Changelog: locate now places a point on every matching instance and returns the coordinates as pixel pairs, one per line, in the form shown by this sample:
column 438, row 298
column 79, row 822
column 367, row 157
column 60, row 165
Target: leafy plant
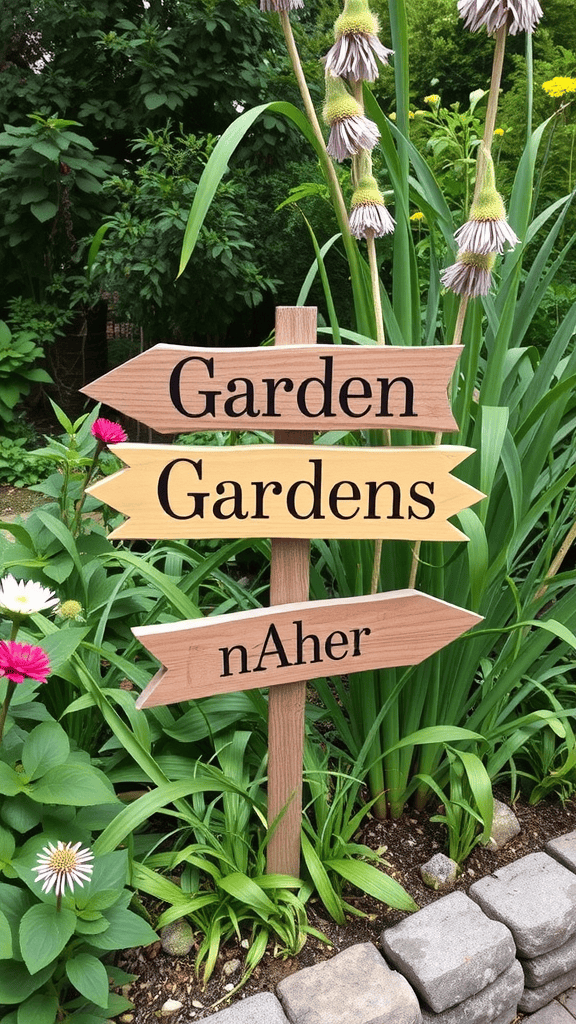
column 18, row 354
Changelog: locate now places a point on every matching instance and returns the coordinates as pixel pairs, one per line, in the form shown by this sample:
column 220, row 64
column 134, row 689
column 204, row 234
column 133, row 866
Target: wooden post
column 289, row 581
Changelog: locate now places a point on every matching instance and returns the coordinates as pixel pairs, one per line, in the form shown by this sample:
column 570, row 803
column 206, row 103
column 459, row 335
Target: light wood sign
column 267, row 647
column 290, row 491
column 174, row 491
column 321, row 387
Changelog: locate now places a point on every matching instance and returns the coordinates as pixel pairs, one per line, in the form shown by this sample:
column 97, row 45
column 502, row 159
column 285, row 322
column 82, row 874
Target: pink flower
column 108, row 432
column 23, row 661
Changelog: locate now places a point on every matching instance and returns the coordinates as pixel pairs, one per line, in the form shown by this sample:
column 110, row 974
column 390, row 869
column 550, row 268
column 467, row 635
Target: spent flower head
column 108, row 432
column 368, row 213
column 350, row 131
column 357, row 48
column 559, row 86
column 471, row 275
column 23, row 661
column 24, row 597
column 487, row 229
column 63, row 864
column 516, row 15
column 280, row 5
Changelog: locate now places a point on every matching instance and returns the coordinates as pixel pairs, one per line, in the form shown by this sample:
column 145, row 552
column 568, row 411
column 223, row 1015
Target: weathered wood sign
column 321, row 387
column 267, row 647
column 286, row 491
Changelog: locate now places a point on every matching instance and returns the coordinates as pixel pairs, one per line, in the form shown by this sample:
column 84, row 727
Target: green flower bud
column 356, row 19
column 367, row 191
column 339, row 103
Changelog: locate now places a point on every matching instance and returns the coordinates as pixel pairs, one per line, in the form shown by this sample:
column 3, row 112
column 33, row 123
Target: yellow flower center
column 63, row 860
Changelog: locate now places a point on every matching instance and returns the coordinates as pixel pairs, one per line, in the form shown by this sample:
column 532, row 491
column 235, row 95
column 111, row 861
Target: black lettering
column 335, row 497
column 421, row 499
column 163, row 496
column 271, row 389
column 331, row 643
column 385, row 394
column 277, row 650
column 226, row 652
column 316, row 488
column 326, row 388
column 301, row 640
column 346, row 397
column 176, row 392
column 246, row 397
column 373, row 489
column 237, row 511
column 357, row 634
column 261, row 489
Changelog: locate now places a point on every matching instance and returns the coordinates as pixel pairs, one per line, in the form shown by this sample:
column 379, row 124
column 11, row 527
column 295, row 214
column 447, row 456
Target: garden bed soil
column 408, row 842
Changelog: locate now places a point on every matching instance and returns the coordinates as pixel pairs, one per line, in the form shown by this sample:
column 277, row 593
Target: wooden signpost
column 174, row 389
column 271, row 647
column 291, row 491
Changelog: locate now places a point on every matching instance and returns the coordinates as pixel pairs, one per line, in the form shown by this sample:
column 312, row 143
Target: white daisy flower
column 61, row 864
column 24, row 597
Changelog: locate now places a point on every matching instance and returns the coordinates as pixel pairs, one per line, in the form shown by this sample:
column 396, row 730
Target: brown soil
column 409, row 842
column 17, row 501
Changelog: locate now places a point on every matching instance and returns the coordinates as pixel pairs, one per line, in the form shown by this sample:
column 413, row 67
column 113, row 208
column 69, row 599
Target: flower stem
column 9, row 693
column 82, row 499
column 492, row 106
column 328, row 167
column 557, row 561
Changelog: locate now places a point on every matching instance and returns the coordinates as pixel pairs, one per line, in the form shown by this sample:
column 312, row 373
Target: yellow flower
column 418, row 215
column 433, row 99
column 559, row 86
column 498, row 131
column 392, row 116
column 410, row 115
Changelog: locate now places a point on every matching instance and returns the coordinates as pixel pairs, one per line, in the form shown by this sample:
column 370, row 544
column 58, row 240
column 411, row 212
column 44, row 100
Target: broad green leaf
column 46, row 746
column 6, row 948
column 44, row 210
column 44, row 932
column 374, row 882
column 16, row 982
column 10, row 781
column 126, row 930
column 74, row 785
column 89, row 977
column 38, row 1009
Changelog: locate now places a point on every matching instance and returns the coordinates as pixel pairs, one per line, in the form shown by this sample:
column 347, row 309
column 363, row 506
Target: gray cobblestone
column 496, row 1000
column 563, row 849
column 534, row 998
column 535, row 897
column 542, row 969
column 261, row 1009
column 354, row 986
column 449, row 951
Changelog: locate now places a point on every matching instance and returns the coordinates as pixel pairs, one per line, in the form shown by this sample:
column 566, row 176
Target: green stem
column 82, row 499
column 10, row 686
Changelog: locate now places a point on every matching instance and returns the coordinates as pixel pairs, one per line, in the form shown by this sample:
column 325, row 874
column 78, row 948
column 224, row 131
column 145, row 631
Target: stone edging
column 509, row 945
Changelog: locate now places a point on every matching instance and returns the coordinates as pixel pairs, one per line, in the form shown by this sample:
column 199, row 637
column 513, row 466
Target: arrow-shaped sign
column 174, row 389
column 285, row 491
column 268, row 646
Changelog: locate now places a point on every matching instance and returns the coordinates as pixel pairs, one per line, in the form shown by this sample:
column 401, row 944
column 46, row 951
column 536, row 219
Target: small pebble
column 199, row 1006
column 228, row 987
column 230, row 967
column 245, row 944
column 170, row 1006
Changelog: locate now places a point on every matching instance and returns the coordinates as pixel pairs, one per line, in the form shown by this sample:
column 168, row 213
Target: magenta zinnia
column 517, row 15
column 108, row 432
column 63, row 864
column 23, row 661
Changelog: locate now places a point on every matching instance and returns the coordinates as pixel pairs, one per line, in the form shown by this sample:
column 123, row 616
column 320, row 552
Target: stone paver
column 498, row 1000
column 261, row 1009
column 355, row 986
column 563, row 849
column 535, row 897
column 534, row 998
column 551, row 1014
column 449, row 951
column 542, row 969
column 568, row 999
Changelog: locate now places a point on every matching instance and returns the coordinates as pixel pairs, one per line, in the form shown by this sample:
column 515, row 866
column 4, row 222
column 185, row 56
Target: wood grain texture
column 175, row 389
column 289, row 581
column 298, row 491
column 271, row 646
